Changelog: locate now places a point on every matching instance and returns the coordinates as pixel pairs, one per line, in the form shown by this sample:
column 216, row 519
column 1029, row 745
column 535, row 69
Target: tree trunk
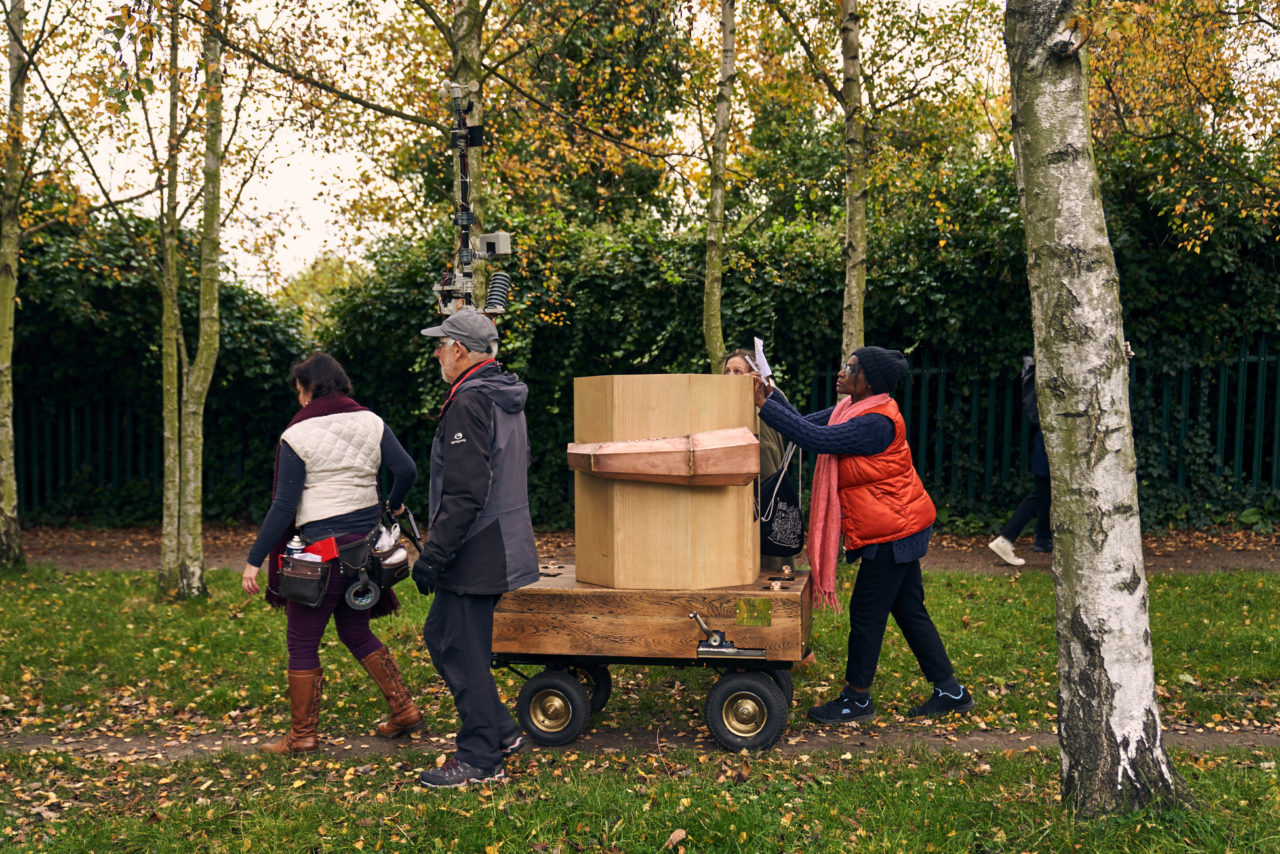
column 855, row 182
column 1108, row 720
column 170, row 575
column 11, row 555
column 712, row 329
column 195, row 388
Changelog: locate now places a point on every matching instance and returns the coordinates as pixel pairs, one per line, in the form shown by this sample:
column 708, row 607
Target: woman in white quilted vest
column 325, row 485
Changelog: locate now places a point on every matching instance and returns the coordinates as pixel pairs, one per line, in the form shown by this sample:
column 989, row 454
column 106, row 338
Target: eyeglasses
column 850, row 369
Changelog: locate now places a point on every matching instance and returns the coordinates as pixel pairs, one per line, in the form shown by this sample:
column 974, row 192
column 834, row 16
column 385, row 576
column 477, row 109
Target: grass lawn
column 93, row 654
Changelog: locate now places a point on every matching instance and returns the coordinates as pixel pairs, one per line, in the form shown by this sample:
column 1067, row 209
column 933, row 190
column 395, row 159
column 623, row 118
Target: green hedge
column 87, row 334
column 947, row 283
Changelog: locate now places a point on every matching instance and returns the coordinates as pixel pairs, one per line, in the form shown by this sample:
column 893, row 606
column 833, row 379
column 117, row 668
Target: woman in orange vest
column 866, row 492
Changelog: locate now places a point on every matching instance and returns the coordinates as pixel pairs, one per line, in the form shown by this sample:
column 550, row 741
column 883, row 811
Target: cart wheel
column 597, row 681
column 746, row 709
column 553, row 707
column 783, row 679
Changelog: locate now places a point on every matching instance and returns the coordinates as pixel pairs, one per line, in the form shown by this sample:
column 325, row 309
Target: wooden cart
column 752, row 634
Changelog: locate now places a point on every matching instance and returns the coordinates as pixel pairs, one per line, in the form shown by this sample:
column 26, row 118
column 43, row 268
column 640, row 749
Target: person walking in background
column 326, row 486
column 738, row 363
column 1036, row 504
column 865, row 488
column 479, row 541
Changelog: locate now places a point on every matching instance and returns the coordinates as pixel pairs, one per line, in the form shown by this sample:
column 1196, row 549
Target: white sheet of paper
column 762, row 364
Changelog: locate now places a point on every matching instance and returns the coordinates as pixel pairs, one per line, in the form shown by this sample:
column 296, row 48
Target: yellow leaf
column 297, row 783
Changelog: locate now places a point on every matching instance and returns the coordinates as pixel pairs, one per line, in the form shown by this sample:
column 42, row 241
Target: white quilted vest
column 342, row 453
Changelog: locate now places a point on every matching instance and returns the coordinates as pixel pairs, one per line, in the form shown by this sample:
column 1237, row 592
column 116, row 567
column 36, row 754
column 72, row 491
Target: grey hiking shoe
column 942, row 704
column 453, row 774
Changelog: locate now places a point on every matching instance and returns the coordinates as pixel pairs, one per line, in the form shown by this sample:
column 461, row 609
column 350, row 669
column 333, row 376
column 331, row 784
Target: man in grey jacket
column 479, row 540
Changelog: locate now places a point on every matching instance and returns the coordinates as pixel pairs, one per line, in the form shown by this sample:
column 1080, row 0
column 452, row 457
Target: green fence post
column 922, row 440
column 1260, row 405
column 989, row 457
column 939, row 461
column 1221, row 441
column 1241, row 386
column 1275, row 432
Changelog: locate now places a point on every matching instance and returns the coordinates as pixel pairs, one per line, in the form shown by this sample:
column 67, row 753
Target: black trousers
column 459, row 635
column 1036, row 505
column 884, row 587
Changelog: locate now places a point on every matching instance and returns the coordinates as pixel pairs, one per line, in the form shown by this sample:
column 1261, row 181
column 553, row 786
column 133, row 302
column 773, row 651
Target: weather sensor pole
column 457, row 287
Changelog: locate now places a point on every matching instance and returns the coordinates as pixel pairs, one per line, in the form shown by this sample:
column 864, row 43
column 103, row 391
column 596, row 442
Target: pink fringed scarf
column 824, row 508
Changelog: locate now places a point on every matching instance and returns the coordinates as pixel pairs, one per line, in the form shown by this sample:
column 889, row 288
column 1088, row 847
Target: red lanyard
column 454, row 389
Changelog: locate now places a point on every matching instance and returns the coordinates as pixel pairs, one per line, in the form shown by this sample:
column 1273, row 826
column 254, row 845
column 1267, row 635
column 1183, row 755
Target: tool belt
column 304, row 581
column 367, row 570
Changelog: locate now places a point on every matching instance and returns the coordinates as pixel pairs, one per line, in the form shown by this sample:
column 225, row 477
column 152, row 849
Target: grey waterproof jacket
column 480, row 536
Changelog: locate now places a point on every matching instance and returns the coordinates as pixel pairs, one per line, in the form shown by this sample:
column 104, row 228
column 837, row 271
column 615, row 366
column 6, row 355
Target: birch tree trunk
column 712, row 328
column 169, row 579
column 11, row 555
column 855, row 182
column 199, row 376
column 1109, row 730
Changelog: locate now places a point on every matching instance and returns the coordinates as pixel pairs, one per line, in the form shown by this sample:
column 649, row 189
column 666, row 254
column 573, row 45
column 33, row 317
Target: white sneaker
column 1004, row 549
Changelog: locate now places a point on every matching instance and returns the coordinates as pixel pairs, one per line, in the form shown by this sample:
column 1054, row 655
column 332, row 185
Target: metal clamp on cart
column 717, row 646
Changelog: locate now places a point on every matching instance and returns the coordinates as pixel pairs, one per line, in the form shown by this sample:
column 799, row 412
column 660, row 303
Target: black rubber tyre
column 598, row 682
column 746, row 709
column 783, row 680
column 553, row 707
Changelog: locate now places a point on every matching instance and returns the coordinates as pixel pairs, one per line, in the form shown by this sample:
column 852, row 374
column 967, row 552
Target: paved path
column 159, row 749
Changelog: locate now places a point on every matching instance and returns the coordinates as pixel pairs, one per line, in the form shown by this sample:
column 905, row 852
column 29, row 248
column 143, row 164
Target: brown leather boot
column 304, row 702
column 405, row 715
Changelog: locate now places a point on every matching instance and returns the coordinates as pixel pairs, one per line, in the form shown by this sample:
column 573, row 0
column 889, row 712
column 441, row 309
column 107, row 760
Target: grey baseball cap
column 468, row 327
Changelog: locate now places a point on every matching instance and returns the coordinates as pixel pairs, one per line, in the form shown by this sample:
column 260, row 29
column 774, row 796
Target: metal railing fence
column 969, row 440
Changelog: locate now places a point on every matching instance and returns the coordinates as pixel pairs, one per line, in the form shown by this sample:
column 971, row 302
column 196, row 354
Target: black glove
column 425, row 575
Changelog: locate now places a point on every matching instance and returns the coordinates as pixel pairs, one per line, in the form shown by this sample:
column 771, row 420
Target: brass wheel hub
column 744, row 714
column 550, row 710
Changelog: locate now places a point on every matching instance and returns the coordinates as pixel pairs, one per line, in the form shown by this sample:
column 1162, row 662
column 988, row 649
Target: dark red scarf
column 453, row 389
column 328, row 404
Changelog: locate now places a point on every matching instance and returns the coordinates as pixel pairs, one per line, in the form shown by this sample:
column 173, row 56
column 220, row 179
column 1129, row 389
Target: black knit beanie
column 884, row 368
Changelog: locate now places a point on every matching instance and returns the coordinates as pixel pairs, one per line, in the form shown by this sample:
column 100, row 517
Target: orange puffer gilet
column 881, row 496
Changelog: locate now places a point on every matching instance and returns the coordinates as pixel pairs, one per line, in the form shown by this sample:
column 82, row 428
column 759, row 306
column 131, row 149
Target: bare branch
column 439, row 22
column 110, row 203
column 818, row 71
column 520, row 90
column 324, row 86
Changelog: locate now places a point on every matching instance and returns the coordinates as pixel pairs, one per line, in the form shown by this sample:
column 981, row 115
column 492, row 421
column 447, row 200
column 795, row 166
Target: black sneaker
column 1042, row 546
column 844, row 709
column 453, row 774
column 942, row 704
column 512, row 745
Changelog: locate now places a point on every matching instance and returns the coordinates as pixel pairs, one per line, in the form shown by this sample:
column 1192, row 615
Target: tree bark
column 712, row 328
column 169, row 579
column 855, row 181
column 1109, row 729
column 199, row 376
column 11, row 555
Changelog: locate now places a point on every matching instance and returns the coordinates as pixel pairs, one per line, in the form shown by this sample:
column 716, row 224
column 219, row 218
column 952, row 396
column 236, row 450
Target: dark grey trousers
column 459, row 635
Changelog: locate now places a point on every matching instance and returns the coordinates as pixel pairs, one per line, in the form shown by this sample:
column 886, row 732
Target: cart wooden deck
column 752, row 632
column 561, row 616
